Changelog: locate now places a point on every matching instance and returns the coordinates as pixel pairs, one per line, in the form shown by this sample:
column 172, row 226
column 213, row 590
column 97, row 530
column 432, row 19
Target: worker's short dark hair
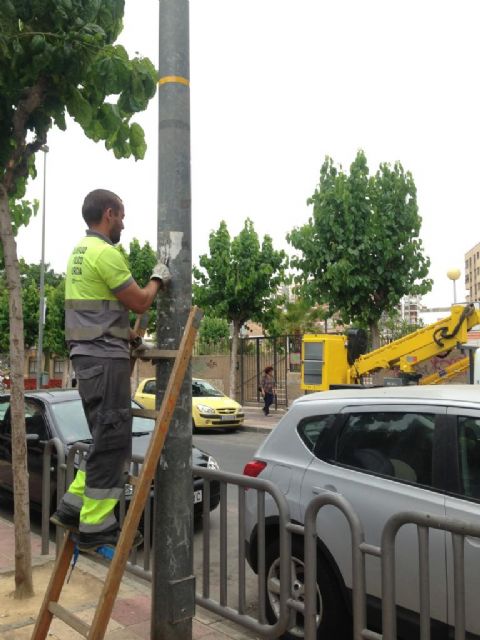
column 96, row 202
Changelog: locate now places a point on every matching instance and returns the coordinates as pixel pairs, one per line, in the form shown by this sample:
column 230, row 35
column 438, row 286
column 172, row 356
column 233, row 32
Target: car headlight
column 128, row 490
column 212, row 463
column 203, row 408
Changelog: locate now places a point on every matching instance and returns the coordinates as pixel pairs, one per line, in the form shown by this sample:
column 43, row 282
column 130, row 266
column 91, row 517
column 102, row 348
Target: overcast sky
column 275, row 86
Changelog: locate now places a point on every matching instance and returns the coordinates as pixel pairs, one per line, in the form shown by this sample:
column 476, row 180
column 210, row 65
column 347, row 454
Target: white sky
column 275, row 86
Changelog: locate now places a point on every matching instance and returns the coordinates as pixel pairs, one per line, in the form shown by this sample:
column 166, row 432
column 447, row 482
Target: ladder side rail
column 54, row 588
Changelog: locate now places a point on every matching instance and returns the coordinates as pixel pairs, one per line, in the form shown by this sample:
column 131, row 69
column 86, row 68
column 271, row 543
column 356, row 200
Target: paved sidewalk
column 256, row 421
column 131, row 614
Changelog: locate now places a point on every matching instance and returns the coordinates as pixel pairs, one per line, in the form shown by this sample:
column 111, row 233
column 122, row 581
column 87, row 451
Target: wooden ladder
column 142, row 487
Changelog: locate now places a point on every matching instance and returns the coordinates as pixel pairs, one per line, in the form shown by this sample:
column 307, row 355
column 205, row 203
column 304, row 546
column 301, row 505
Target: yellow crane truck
column 330, row 361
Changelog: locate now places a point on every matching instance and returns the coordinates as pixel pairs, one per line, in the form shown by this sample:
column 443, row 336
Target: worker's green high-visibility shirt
column 96, row 322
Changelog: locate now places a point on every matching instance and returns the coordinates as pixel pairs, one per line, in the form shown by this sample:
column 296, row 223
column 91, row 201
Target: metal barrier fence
column 141, row 566
column 359, row 550
column 386, row 552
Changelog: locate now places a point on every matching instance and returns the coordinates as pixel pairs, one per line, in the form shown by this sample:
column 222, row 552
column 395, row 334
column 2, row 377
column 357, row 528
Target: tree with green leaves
column 141, row 260
column 57, row 57
column 296, row 317
column 213, row 330
column 239, row 281
column 361, row 251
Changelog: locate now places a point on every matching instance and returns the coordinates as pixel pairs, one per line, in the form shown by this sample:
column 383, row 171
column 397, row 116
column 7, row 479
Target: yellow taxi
column 210, row 407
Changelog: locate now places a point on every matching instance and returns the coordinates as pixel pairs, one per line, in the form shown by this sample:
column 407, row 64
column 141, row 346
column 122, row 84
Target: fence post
column 242, row 381
column 275, row 368
column 257, row 353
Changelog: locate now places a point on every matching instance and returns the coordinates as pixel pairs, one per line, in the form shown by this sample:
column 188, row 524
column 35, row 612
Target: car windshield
column 73, row 426
column 203, row 389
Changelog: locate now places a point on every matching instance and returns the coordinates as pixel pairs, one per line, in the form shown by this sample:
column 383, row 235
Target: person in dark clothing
column 267, row 385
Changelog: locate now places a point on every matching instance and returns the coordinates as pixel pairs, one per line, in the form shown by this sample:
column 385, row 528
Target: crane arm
column 415, row 348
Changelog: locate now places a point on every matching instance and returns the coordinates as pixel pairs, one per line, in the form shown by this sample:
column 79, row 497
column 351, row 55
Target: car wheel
column 332, row 616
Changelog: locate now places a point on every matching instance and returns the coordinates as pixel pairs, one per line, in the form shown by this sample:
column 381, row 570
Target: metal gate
column 282, row 353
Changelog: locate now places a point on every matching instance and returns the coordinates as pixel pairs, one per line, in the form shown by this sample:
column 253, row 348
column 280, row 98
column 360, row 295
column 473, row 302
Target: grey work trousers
column 104, row 387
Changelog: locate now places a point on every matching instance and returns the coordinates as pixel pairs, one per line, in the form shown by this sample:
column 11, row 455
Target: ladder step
column 145, row 413
column 69, row 618
column 155, row 354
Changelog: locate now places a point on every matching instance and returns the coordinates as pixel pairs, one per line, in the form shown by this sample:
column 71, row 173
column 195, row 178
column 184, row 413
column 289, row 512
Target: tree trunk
column 375, row 334
column 23, row 552
column 377, row 376
column 233, row 358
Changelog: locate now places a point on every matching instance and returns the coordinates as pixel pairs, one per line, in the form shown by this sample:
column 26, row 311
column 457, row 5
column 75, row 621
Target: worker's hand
column 161, row 272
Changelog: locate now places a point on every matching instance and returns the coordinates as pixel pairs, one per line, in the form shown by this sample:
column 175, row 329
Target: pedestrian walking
column 99, row 292
column 267, row 385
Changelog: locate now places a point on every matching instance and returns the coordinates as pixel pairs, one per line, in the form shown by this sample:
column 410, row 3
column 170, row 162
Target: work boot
column 89, row 542
column 66, row 517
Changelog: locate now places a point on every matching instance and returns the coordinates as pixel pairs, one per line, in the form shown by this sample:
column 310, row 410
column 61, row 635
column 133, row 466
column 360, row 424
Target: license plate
column 197, row 496
column 228, row 417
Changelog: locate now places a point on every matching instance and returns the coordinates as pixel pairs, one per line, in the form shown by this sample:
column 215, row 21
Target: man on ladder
column 99, row 292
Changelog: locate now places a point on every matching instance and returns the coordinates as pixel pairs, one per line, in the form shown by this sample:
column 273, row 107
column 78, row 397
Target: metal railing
column 386, row 553
column 141, row 566
column 140, row 562
column 221, row 607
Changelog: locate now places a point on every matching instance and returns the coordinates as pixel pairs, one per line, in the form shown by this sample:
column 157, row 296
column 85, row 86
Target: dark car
column 59, row 414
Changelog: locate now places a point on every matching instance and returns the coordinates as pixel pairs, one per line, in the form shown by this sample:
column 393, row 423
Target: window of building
column 58, row 366
column 32, row 366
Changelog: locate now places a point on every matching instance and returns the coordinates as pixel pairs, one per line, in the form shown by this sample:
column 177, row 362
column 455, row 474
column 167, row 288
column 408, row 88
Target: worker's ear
column 108, row 214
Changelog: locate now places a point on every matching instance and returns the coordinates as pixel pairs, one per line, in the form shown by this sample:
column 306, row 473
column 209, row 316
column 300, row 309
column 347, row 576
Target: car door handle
column 328, row 488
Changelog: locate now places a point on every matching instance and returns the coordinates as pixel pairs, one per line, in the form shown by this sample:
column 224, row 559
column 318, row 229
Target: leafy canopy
column 361, row 251
column 213, row 330
column 240, row 277
column 59, row 57
column 54, row 336
column 296, row 317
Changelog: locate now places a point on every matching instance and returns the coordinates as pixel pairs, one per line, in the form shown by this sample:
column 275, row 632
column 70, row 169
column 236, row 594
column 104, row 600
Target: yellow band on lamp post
column 175, row 79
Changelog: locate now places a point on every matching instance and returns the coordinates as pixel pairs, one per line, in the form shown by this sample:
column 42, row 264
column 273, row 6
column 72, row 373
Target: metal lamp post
column 454, row 275
column 41, row 310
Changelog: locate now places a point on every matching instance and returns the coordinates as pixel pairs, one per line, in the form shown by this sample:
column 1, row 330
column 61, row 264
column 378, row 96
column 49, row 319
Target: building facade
column 472, row 273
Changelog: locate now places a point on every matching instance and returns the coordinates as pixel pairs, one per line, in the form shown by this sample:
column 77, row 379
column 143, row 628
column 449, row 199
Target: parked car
column 59, row 413
column 210, row 407
column 386, row 450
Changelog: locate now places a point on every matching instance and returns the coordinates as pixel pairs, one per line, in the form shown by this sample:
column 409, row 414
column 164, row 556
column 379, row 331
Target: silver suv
column 386, row 450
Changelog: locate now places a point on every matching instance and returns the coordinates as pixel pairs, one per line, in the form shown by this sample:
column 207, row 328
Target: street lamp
column 41, row 310
column 454, row 275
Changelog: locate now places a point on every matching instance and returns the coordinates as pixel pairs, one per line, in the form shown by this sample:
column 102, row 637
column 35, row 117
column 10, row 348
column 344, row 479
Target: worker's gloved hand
column 161, row 272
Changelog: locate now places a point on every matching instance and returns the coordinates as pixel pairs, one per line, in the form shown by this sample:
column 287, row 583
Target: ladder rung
column 69, row 618
column 155, row 354
column 144, row 413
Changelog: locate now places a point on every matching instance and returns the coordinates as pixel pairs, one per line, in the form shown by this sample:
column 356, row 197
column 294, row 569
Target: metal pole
column 41, row 309
column 173, row 588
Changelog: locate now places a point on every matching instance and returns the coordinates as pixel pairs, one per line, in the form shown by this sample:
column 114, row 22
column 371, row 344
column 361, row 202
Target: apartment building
column 410, row 307
column 472, row 274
